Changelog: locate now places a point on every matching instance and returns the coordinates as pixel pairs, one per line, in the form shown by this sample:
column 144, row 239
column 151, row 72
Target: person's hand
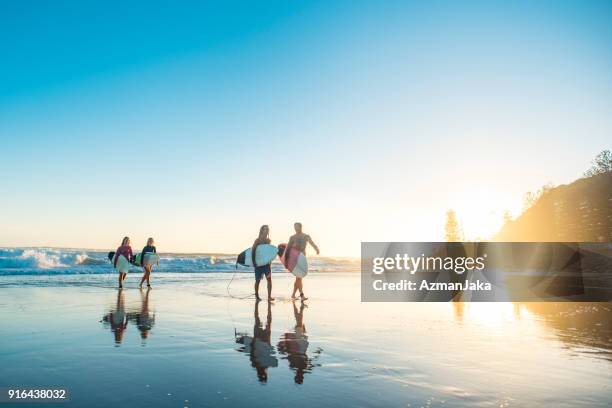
column 317, row 252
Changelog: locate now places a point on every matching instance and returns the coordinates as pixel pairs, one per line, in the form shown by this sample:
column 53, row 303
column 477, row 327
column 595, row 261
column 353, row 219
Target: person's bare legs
column 146, row 276
column 121, row 278
column 257, row 288
column 295, row 288
column 269, row 278
column 300, row 285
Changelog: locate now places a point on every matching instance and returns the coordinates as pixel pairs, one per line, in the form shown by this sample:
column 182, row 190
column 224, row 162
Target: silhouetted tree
column 602, row 163
column 452, row 229
column 531, row 198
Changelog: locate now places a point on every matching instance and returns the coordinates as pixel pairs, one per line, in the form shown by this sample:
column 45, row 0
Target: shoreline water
column 189, row 339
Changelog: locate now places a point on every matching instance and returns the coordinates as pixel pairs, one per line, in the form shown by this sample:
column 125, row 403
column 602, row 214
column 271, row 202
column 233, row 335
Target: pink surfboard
column 296, row 263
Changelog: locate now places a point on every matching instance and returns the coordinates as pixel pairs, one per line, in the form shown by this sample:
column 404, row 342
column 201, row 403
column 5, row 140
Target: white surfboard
column 264, row 255
column 123, row 265
column 301, row 267
column 150, row 259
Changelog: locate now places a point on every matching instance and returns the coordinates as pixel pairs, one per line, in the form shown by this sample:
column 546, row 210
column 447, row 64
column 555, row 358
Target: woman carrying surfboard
column 262, row 270
column 147, row 266
column 123, row 265
column 299, row 241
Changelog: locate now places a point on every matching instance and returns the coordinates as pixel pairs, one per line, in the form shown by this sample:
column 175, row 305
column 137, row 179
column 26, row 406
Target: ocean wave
column 30, row 258
column 53, row 261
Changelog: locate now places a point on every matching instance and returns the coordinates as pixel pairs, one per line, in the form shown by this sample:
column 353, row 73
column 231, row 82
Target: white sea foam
column 53, row 261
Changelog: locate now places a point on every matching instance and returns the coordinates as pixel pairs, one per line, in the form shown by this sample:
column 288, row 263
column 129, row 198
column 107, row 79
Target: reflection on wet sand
column 294, row 346
column 259, row 347
column 458, row 310
column 579, row 325
column 143, row 319
column 139, row 314
column 583, row 327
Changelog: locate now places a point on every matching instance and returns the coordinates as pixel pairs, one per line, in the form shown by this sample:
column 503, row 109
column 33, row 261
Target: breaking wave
column 54, row 261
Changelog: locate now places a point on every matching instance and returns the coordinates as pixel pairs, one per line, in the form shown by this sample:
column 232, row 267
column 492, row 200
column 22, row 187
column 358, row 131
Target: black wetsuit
column 148, row 248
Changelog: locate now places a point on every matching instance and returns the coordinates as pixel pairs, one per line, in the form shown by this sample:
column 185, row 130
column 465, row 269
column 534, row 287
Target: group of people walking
column 297, row 241
column 126, row 250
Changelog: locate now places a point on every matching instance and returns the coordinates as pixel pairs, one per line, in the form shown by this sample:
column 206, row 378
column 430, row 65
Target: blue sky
column 198, row 122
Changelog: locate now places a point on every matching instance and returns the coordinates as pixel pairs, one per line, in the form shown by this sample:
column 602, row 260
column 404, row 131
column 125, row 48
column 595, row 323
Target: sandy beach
column 187, row 342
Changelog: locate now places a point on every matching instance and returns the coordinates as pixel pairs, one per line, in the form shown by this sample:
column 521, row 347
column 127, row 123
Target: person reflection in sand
column 144, row 319
column 140, row 316
column 259, row 347
column 295, row 344
column 117, row 318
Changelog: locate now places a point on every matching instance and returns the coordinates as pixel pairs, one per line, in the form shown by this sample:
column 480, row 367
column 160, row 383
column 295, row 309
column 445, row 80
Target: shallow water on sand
column 190, row 342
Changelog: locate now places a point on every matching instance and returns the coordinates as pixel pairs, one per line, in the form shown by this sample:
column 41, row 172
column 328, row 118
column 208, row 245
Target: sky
column 197, row 122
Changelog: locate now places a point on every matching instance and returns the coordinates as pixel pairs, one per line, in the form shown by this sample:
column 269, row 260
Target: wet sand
column 187, row 342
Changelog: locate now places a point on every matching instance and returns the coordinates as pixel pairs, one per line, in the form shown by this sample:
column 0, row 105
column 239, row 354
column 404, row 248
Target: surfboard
column 264, row 255
column 296, row 262
column 123, row 265
column 150, row 259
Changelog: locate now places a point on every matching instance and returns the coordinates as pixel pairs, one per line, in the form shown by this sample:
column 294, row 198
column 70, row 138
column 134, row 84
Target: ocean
column 42, row 266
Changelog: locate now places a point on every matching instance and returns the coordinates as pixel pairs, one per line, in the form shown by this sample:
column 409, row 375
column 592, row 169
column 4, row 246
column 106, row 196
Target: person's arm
column 253, row 250
column 131, row 259
column 154, row 249
column 142, row 254
column 311, row 242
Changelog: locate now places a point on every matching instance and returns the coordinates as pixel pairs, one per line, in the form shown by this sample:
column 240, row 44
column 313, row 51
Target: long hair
column 264, row 233
column 125, row 241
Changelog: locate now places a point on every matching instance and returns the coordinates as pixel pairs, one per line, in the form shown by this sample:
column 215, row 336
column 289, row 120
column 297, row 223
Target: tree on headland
column 602, row 163
column 531, row 198
column 452, row 229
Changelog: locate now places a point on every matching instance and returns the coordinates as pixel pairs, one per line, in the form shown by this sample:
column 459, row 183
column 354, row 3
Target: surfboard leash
column 230, row 282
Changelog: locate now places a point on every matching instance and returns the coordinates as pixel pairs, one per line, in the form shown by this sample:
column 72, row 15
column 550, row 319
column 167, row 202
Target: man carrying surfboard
column 299, row 241
column 262, row 270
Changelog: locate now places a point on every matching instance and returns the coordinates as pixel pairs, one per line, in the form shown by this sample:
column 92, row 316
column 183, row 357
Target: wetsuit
column 150, row 249
column 147, row 249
